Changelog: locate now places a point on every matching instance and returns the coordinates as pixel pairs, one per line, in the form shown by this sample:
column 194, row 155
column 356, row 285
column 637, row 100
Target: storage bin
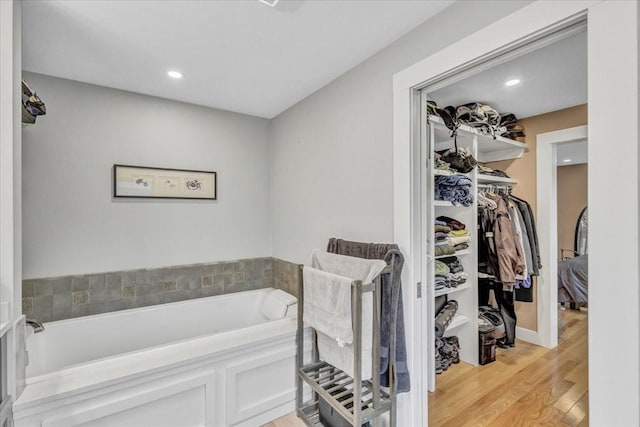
column 329, row 417
column 486, row 345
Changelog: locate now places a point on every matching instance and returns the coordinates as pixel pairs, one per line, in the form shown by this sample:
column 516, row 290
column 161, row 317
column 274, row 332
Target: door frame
column 547, row 219
column 605, row 92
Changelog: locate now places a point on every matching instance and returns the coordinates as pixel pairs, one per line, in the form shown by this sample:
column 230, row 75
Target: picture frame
column 162, row 183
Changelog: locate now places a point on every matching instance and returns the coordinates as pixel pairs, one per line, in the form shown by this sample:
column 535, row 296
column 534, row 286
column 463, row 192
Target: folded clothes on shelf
column 453, row 240
column 453, row 223
column 445, row 249
column 439, row 235
column 457, row 278
column 461, row 247
column 441, row 165
column 455, row 189
column 484, row 170
column 442, row 228
column 454, row 264
column 441, row 269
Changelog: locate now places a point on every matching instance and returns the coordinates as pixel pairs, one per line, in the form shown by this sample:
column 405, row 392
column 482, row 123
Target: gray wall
column 332, row 152
column 72, row 225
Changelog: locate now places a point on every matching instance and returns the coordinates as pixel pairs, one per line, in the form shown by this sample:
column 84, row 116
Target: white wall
column 73, row 225
column 10, row 197
column 614, row 188
column 332, row 152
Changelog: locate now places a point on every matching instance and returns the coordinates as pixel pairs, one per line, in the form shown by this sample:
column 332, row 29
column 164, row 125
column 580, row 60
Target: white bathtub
column 214, row 361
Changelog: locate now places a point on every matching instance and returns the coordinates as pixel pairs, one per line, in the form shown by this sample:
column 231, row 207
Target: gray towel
column 391, row 304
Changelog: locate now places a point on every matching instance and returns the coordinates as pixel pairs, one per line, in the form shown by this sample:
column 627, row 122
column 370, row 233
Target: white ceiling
column 551, row 78
column 237, row 55
column 572, row 153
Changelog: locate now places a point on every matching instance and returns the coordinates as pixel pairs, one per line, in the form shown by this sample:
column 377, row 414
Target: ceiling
column 572, row 153
column 551, row 78
column 237, row 55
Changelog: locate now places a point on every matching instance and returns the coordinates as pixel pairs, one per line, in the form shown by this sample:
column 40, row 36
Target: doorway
column 521, row 28
column 551, row 94
column 548, row 160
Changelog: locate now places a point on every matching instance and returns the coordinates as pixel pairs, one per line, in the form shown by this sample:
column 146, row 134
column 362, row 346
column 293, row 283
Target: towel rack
column 337, row 388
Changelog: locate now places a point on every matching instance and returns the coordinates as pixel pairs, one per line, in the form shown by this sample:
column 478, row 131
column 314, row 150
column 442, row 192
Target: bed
column 573, row 280
column 573, row 272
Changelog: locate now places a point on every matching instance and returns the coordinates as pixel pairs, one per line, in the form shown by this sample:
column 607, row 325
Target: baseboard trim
column 527, row 335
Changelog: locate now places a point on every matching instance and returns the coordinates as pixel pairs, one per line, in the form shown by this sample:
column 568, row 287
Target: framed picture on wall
column 161, row 183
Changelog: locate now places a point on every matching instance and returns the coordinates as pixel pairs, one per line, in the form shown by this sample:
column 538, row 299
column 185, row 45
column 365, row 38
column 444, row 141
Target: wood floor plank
column 581, row 371
column 578, row 412
column 575, row 393
column 289, row 420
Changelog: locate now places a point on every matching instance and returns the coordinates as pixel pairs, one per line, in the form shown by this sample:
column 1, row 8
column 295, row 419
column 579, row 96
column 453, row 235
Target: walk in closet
column 435, row 136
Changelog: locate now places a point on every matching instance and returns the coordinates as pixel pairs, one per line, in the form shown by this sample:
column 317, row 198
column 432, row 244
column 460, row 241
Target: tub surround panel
column 58, row 298
column 232, row 370
column 257, row 385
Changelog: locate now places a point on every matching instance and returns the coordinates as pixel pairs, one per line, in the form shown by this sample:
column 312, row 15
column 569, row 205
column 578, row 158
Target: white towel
column 327, row 306
column 342, row 356
column 355, row 268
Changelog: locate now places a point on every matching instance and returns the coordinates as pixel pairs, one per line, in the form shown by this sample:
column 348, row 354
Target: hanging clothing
column 527, row 214
column 524, row 237
column 510, row 258
column 520, row 216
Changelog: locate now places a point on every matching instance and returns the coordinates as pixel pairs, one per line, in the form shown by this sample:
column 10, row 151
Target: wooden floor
column 526, row 386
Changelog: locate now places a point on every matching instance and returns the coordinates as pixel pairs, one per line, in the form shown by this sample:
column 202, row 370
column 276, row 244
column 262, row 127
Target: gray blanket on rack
column 391, row 302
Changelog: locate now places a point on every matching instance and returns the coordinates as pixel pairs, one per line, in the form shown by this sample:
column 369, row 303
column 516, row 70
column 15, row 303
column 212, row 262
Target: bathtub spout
column 36, row 325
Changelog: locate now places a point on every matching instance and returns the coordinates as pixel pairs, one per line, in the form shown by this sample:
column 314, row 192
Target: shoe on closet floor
column 452, row 349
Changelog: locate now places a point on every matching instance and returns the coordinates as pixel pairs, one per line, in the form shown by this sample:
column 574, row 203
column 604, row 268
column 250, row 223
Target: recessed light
column 512, row 82
column 174, row 74
column 271, row 3
column 566, row 160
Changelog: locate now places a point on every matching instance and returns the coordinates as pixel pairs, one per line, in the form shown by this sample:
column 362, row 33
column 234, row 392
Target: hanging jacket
column 487, row 257
column 527, row 214
column 510, row 256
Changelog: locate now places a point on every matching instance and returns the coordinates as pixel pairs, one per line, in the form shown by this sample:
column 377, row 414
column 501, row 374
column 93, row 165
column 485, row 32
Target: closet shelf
column 458, row 320
column 444, row 203
column 441, row 172
column 457, row 253
column 447, row 291
column 488, row 179
column 489, row 149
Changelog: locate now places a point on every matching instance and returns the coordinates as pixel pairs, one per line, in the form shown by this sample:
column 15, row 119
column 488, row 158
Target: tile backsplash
column 286, row 276
column 60, row 298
